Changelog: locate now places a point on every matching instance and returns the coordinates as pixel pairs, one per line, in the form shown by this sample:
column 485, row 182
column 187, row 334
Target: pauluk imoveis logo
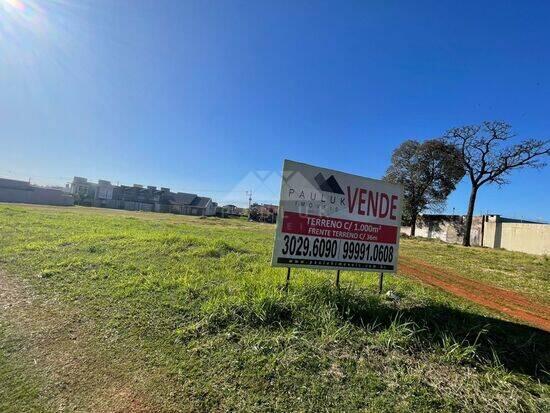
column 328, row 185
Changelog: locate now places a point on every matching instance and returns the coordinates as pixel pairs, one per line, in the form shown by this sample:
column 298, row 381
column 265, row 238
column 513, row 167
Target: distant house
column 134, row 198
column 23, row 192
column 104, row 190
column 180, row 203
column 203, row 206
column 268, row 209
column 264, row 212
column 229, row 210
column 82, row 190
column 191, row 204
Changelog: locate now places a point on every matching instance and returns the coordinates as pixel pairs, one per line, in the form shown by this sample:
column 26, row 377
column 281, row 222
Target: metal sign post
column 287, row 279
column 380, row 282
column 337, row 278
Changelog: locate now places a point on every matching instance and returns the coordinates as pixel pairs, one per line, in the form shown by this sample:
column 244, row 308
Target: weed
column 400, row 334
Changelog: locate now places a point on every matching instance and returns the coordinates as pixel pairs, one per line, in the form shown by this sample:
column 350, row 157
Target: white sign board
column 330, row 219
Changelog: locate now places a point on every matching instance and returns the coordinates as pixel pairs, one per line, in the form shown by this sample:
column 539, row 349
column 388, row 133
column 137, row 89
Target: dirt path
column 510, row 303
column 57, row 347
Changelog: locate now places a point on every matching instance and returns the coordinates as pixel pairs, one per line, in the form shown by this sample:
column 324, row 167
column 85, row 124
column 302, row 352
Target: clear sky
column 195, row 95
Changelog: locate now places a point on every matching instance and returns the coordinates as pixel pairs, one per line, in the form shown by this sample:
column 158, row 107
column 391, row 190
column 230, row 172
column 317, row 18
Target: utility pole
column 249, row 195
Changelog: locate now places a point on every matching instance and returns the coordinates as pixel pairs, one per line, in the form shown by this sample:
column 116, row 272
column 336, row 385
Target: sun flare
column 16, row 4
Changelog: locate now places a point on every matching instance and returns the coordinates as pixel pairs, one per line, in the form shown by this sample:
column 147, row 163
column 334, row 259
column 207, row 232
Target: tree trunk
column 469, row 216
column 413, row 225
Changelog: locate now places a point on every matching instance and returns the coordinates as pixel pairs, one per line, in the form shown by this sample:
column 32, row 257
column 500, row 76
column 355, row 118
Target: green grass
column 118, row 311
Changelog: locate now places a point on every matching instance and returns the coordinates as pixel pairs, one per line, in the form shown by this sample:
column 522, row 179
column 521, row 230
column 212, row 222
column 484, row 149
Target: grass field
column 106, row 310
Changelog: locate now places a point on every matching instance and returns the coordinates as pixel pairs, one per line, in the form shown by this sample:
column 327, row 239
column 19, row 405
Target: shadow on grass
column 456, row 335
column 518, row 348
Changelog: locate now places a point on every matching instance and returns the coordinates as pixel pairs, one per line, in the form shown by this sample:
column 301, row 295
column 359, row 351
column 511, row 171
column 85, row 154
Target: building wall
column 211, row 209
column 161, row 207
column 518, row 236
column 406, row 230
column 104, row 192
column 444, row 229
column 477, row 232
column 35, row 195
column 84, row 189
column 137, row 206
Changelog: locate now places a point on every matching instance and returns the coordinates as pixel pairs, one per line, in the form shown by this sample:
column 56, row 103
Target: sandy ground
column 510, row 303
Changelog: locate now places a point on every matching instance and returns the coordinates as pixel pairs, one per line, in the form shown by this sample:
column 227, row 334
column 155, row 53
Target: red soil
column 510, row 303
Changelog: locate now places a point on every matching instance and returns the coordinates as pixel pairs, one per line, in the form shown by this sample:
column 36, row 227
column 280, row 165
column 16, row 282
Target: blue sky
column 195, row 95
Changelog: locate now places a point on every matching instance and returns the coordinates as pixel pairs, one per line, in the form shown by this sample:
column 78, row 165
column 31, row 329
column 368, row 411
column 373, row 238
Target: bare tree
column 428, row 171
column 487, row 159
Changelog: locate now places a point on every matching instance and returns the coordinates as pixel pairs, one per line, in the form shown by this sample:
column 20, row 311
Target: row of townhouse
column 139, row 198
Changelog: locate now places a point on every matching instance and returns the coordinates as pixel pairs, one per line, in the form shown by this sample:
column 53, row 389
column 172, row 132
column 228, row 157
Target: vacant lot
column 114, row 311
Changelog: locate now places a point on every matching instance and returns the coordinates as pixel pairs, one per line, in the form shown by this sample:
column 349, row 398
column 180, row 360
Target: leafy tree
column 254, row 212
column 487, row 159
column 428, row 171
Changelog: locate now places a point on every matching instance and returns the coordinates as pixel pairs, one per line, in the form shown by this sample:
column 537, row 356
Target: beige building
column 491, row 231
column 530, row 237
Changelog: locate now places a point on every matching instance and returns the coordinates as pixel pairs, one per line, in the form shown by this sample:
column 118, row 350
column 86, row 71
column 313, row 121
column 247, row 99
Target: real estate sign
column 330, row 219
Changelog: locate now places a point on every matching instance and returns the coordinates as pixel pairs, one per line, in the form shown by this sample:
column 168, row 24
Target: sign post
column 334, row 220
column 380, row 282
column 287, row 279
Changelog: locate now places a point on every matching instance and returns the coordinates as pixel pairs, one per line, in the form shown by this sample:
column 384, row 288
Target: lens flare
column 37, row 37
column 16, row 4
